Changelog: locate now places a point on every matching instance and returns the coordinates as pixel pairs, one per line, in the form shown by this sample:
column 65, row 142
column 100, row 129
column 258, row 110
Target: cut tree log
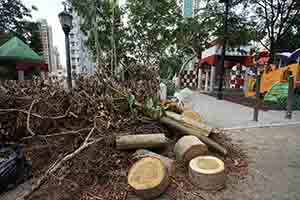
column 184, row 130
column 189, row 122
column 189, row 147
column 141, row 141
column 207, row 172
column 169, row 163
column 149, row 178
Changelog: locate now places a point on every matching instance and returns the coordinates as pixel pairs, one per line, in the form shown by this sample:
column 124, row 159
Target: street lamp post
column 222, row 63
column 65, row 19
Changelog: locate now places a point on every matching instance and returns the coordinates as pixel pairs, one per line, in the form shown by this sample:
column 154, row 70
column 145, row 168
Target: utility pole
column 65, row 19
column 222, row 67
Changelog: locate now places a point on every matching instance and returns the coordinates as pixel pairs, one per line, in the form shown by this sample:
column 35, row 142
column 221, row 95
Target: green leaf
column 131, row 101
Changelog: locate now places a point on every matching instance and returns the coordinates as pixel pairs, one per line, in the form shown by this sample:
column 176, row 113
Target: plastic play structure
column 271, row 74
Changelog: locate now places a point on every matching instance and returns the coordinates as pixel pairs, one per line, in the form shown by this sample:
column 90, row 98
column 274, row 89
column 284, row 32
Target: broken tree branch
column 190, row 131
column 59, row 134
column 57, row 165
column 28, row 118
column 40, row 116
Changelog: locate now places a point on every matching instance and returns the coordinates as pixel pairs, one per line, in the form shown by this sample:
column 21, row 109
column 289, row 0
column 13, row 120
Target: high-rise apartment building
column 81, row 57
column 55, row 60
column 190, row 7
column 47, row 43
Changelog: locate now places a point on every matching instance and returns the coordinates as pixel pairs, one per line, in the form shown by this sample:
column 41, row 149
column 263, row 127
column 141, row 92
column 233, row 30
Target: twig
column 28, row 118
column 21, row 111
column 59, row 134
column 40, row 116
column 93, row 195
column 187, row 192
column 62, row 116
column 54, row 168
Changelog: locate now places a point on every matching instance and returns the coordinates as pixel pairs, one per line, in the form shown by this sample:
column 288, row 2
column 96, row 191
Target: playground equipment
column 288, row 64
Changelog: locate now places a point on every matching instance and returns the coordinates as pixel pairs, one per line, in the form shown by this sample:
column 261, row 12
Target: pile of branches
column 56, row 127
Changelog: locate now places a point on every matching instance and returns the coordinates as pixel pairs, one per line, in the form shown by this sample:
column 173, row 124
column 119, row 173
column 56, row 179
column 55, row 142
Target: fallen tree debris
column 59, row 163
column 207, row 172
column 183, row 130
column 189, row 147
column 188, row 119
column 103, row 108
column 141, row 141
column 169, row 163
column 149, row 177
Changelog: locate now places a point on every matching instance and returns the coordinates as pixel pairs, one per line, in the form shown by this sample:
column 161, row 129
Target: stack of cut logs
column 150, row 175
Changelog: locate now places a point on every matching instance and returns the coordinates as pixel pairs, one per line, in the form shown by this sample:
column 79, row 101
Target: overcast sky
column 49, row 10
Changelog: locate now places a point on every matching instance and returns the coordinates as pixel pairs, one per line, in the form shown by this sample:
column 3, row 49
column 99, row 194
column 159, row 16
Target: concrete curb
column 264, row 126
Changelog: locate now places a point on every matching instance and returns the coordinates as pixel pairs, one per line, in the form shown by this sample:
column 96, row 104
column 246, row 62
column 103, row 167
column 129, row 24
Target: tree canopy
column 277, row 19
column 14, row 21
column 155, row 32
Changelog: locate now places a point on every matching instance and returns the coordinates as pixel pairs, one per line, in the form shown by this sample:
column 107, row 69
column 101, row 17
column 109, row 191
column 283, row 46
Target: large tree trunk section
column 141, row 141
column 189, row 147
column 169, row 163
column 190, row 131
column 207, row 172
column 149, row 178
column 192, row 121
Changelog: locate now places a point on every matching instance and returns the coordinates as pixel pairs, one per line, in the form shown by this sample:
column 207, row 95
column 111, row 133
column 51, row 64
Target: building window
column 73, row 66
column 73, row 59
column 72, row 35
column 72, row 44
column 78, row 59
column 73, row 51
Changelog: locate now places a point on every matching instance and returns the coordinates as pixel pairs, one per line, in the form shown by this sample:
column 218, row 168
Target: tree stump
column 207, row 172
column 141, row 141
column 189, row 147
column 149, row 178
column 169, row 163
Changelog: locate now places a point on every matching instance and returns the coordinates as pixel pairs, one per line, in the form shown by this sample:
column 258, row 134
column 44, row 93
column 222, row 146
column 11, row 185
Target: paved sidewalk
column 225, row 114
column 274, row 168
column 274, row 152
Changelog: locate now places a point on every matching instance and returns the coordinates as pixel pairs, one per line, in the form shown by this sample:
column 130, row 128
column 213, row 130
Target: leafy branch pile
column 69, row 137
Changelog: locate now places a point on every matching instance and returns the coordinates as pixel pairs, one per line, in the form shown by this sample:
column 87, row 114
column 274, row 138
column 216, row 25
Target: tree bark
column 141, row 141
column 169, row 163
column 189, row 147
column 149, row 177
column 207, row 173
column 190, row 131
column 203, row 129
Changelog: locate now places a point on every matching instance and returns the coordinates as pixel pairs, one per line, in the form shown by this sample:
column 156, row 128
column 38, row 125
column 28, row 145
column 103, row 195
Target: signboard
column 188, row 8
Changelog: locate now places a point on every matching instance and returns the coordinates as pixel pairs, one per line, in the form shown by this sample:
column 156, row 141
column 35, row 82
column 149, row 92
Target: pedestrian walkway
column 274, row 164
column 225, row 114
column 273, row 153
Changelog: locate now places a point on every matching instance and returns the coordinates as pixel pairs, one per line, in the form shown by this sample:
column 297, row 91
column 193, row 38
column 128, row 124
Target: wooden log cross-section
column 184, row 130
column 168, row 162
column 207, row 172
column 189, row 147
column 141, row 141
column 149, row 177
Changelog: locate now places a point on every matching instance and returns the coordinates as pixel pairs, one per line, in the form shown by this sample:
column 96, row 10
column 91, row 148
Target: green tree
column 152, row 26
column 13, row 23
column 11, row 13
column 30, row 34
column 102, row 24
column 275, row 18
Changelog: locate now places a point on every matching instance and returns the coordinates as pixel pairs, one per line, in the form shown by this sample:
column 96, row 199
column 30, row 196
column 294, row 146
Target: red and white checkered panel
column 189, row 79
column 237, row 79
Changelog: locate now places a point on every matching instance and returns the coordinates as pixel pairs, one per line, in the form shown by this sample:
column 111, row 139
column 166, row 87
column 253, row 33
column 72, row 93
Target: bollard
column 290, row 97
column 258, row 98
